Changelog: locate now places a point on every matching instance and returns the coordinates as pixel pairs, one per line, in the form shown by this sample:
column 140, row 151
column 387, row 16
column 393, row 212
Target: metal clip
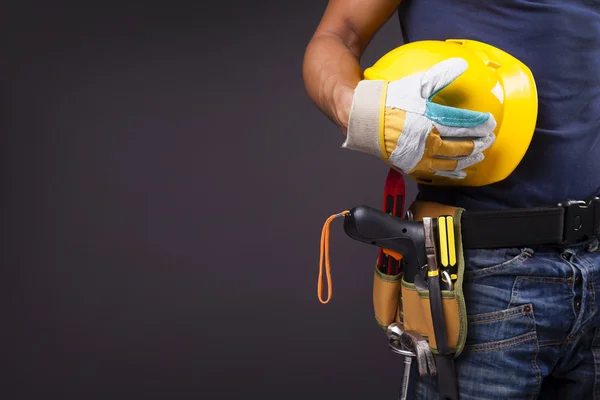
column 581, row 220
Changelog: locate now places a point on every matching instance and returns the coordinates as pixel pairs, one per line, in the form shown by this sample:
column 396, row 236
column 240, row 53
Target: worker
column 533, row 309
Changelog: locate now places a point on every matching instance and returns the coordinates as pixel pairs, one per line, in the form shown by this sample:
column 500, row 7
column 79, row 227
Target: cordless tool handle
column 401, row 238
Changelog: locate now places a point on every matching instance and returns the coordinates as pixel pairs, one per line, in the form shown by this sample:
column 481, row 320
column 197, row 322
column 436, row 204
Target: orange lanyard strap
column 325, row 257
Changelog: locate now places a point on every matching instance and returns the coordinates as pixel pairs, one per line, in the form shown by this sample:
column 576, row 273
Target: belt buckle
column 581, row 220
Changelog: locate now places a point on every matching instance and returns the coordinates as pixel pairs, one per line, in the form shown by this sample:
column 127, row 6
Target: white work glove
column 397, row 122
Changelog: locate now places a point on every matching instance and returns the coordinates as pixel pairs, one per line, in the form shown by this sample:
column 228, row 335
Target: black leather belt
column 566, row 224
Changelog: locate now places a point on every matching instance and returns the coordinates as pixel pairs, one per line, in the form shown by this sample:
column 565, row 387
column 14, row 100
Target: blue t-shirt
column 560, row 42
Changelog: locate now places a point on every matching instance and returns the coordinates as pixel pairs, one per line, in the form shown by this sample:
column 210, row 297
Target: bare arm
column 331, row 68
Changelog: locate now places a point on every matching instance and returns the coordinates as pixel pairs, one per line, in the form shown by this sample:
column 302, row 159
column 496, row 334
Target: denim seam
column 572, row 334
column 500, row 315
column 573, row 338
column 592, row 290
column 483, row 272
column 542, row 279
column 550, row 342
column 502, row 344
column 590, row 287
column 596, row 355
column 538, row 373
column 514, row 293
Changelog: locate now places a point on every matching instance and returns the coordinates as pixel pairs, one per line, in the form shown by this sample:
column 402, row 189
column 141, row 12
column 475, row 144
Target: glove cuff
column 365, row 122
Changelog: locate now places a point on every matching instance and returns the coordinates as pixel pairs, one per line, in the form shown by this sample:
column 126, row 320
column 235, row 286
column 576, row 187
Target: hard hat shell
column 494, row 82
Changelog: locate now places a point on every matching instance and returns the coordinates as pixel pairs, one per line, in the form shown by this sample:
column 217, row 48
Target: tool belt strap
column 567, row 224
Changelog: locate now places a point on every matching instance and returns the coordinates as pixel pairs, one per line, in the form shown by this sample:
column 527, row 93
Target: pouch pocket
column 417, row 315
column 386, row 298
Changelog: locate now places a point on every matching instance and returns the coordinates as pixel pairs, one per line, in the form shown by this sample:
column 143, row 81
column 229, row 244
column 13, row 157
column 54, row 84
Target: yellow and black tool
column 435, row 258
column 446, row 249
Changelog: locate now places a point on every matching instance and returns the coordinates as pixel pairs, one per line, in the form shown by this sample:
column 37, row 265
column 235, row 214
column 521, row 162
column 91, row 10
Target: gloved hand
column 397, row 122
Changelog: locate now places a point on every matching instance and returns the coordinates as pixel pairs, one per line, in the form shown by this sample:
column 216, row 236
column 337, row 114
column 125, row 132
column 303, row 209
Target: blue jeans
column 533, row 326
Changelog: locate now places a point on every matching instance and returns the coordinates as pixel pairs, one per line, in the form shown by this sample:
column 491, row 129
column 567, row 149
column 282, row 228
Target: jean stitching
column 550, row 342
column 514, row 293
column 542, row 279
column 502, row 344
column 596, row 355
column 538, row 373
column 573, row 338
column 572, row 335
column 483, row 272
column 590, row 288
column 499, row 315
column 592, row 291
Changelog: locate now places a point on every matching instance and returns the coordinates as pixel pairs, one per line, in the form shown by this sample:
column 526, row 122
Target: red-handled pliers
column 393, row 204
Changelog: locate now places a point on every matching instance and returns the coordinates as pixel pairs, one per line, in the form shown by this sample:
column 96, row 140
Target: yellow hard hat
column 495, row 82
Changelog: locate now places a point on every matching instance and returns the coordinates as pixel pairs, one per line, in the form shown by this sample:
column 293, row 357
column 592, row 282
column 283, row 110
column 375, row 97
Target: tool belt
column 397, row 299
column 418, row 277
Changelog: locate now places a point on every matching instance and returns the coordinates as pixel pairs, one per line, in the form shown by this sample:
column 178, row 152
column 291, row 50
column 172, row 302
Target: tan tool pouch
column 386, row 298
column 396, row 300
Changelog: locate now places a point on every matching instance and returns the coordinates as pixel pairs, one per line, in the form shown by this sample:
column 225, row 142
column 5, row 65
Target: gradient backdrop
column 165, row 180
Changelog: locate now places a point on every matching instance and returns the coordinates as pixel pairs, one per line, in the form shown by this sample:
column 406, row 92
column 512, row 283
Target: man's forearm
column 331, row 72
column 331, row 66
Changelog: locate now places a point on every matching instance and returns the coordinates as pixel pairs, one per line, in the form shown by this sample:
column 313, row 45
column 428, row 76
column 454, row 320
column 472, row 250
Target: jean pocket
column 500, row 330
column 484, row 262
column 499, row 359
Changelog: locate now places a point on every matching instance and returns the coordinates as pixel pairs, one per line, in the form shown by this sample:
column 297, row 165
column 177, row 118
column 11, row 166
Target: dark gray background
column 165, row 181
